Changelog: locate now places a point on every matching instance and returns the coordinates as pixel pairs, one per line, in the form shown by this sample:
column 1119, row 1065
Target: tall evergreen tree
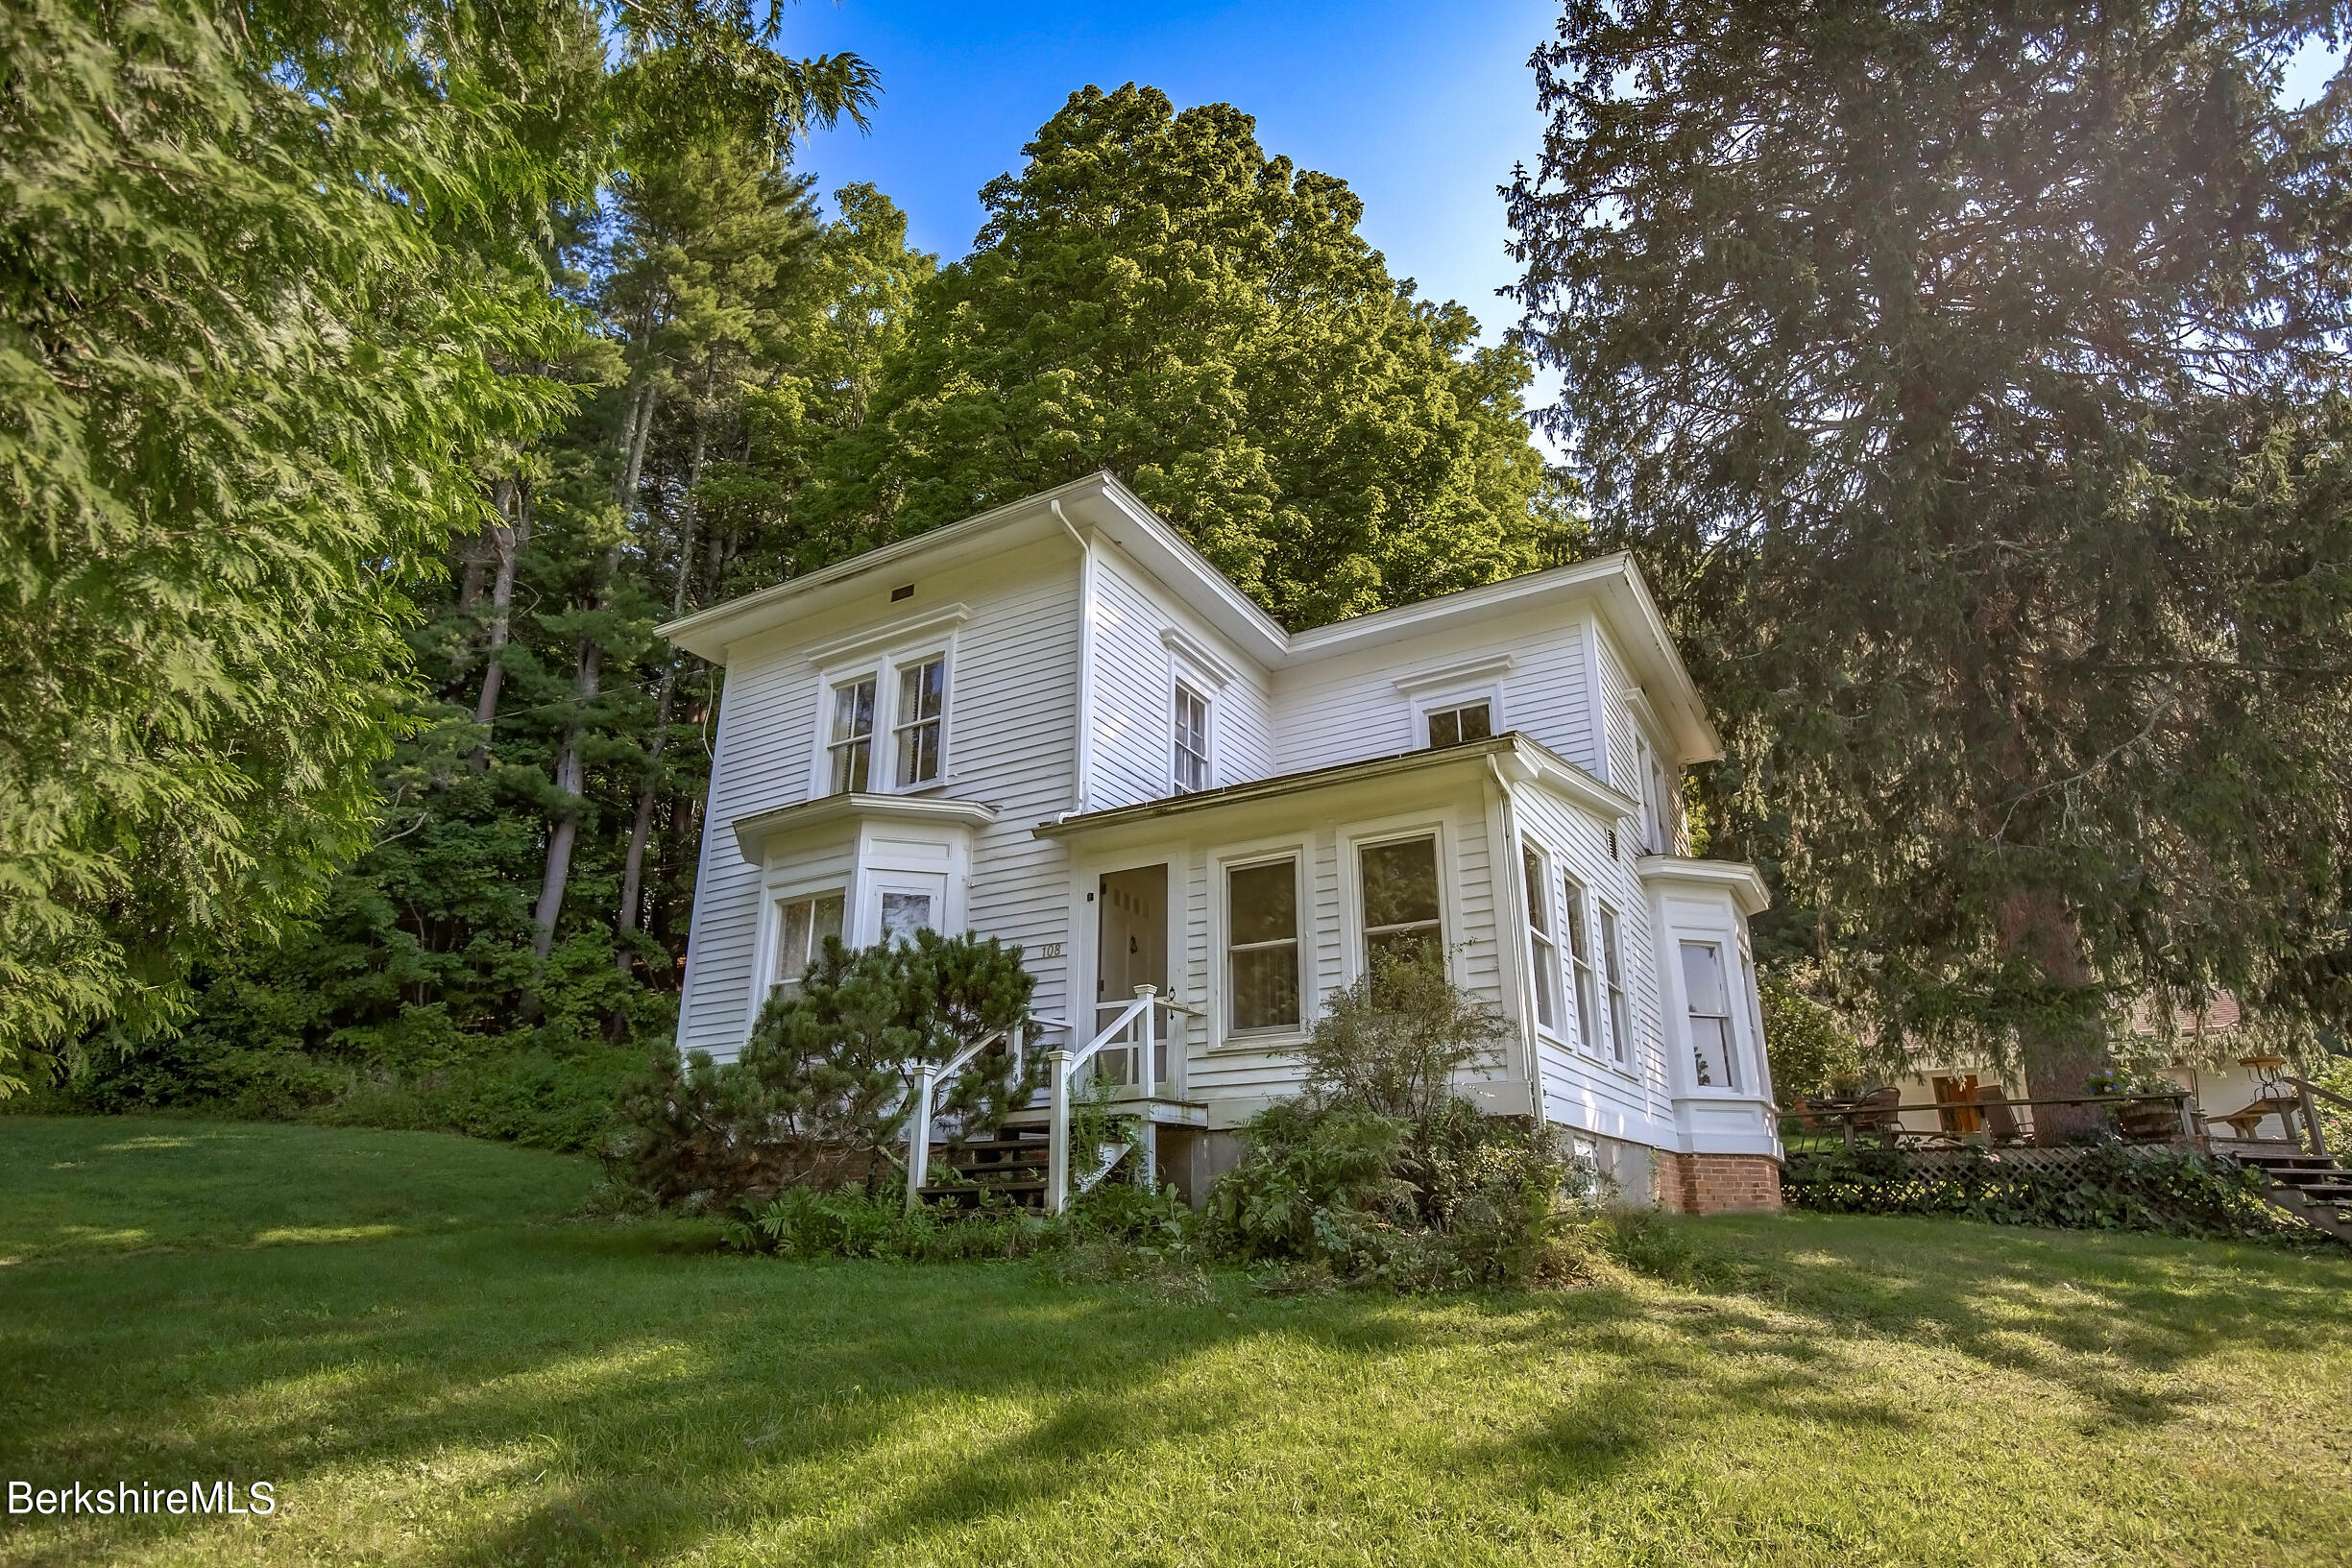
column 263, row 272
column 1153, row 295
column 1972, row 376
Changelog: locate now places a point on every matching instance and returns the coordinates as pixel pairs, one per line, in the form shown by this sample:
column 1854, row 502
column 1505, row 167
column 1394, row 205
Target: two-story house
column 1057, row 724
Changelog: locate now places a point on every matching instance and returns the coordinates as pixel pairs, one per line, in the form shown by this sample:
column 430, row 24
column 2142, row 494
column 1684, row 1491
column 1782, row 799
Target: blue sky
column 1421, row 108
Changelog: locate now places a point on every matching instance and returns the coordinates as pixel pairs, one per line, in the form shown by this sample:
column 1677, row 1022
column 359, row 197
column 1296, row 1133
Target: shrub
column 2105, row 1186
column 1378, row 1175
column 1125, row 1229
column 823, row 1090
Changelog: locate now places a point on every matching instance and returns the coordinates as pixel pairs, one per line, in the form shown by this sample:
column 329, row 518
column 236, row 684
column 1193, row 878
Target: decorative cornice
column 875, row 638
column 753, row 832
column 1198, row 654
column 1743, row 881
column 1460, row 673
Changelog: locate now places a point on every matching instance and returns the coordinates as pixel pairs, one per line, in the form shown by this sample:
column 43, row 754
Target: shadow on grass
column 615, row 1397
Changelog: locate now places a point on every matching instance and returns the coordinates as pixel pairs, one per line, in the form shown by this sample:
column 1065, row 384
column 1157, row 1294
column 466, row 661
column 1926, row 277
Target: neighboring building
column 1059, row 725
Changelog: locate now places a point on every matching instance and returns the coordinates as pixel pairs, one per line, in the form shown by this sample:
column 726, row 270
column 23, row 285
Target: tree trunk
column 570, row 777
column 2058, row 1061
column 512, row 533
column 633, row 867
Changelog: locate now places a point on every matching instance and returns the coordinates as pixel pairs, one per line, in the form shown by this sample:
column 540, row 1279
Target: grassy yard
column 399, row 1333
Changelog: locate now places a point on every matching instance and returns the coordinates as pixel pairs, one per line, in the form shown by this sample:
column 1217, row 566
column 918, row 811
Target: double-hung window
column 1192, row 739
column 1541, row 948
column 1401, row 919
column 1612, row 971
column 802, row 925
column 1262, row 945
column 1461, row 722
column 1580, row 966
column 1711, row 1016
column 850, row 741
column 922, row 703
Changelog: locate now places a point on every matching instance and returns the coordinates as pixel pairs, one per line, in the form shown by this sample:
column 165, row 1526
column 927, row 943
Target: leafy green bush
column 1378, row 1177
column 2174, row 1192
column 850, row 1222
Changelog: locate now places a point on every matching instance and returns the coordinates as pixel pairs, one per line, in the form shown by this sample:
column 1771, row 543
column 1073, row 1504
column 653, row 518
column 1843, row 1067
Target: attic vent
column 906, row 593
column 1612, row 843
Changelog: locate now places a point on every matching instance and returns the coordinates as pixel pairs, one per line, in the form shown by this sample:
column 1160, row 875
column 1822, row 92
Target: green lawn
column 397, row 1332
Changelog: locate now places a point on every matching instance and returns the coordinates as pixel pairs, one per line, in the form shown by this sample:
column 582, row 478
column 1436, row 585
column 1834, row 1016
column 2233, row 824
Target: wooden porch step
column 1021, row 1195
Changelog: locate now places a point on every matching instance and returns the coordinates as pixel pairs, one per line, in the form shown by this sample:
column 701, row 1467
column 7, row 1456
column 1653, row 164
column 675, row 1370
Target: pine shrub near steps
column 2104, row 1187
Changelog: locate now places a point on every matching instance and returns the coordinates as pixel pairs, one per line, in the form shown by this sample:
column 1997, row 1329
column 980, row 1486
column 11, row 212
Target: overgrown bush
column 823, row 1089
column 1378, row 1175
column 2174, row 1192
column 851, row 1222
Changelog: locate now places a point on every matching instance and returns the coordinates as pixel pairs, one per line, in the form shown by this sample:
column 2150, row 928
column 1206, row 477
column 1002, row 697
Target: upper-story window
column 1464, row 721
column 922, row 704
column 851, row 740
column 1401, row 918
column 1192, row 739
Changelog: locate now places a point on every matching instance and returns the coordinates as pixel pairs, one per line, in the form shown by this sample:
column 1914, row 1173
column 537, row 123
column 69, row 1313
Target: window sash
column 1459, row 722
column 1580, row 963
column 904, row 913
column 1416, row 931
column 1544, row 956
column 1191, row 738
column 850, row 745
column 1707, row 988
column 922, row 703
column 802, row 925
column 1620, row 1009
column 1262, row 985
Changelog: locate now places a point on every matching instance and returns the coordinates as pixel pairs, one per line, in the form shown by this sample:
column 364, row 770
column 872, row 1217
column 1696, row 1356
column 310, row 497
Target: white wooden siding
column 1346, row 708
column 1134, row 695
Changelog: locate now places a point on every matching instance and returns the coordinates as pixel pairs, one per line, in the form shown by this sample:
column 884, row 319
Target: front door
column 1131, row 950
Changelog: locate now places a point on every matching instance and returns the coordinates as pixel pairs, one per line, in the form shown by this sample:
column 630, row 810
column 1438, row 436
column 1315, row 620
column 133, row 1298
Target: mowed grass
column 403, row 1334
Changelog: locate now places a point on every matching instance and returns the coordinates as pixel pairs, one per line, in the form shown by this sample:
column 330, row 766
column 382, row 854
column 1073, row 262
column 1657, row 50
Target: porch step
column 2312, row 1189
column 1019, row 1195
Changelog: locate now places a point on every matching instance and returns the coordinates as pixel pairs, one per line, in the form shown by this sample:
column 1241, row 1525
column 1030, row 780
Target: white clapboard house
column 1057, row 724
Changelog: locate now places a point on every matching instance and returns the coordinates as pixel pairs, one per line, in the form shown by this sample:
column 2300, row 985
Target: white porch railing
column 1134, row 1032
column 929, row 1078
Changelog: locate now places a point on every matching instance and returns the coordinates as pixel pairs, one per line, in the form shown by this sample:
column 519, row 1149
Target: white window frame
column 1255, row 853
column 1356, row 939
column 1725, row 978
column 1180, row 689
column 1302, row 927
column 1439, row 700
column 1584, row 975
column 777, row 904
column 882, row 762
column 901, row 724
column 1543, row 949
column 1610, row 929
column 829, row 749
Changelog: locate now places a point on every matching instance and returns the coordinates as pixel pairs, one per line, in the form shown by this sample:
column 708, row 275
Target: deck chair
column 1874, row 1113
column 2000, row 1118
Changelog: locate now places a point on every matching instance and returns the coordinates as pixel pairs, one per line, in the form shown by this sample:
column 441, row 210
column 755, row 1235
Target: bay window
column 802, row 925
column 1711, row 1016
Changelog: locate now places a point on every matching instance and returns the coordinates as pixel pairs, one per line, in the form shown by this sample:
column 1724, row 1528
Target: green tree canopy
column 1153, row 295
column 1971, row 378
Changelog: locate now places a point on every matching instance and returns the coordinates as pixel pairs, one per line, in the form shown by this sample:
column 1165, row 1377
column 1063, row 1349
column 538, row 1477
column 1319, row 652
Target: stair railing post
column 918, row 1135
column 1145, row 1080
column 2311, row 1118
column 1058, row 1129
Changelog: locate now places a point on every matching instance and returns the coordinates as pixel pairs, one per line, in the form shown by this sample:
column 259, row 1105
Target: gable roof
column 1099, row 504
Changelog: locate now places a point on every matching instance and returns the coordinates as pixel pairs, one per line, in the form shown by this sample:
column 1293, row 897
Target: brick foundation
column 1718, row 1183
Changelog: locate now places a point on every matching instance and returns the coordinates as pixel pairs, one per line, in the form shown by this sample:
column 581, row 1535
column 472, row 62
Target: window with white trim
column 902, row 914
column 1262, row 946
column 1463, row 721
column 802, row 925
column 1402, row 905
column 917, row 722
column 1711, row 1016
column 1580, row 966
column 850, row 740
column 1541, row 951
column 1192, row 739
column 1613, row 974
